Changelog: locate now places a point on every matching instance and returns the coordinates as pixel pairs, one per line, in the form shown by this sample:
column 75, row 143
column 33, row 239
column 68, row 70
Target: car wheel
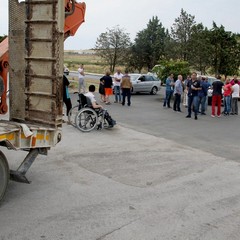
column 154, row 91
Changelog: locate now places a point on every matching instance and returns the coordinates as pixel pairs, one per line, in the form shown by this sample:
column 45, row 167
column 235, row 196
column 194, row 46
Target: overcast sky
column 133, row 16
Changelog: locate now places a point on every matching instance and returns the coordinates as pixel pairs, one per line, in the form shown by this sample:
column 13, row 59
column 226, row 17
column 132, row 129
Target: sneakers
column 188, row 116
column 219, row 116
column 213, row 116
column 195, row 117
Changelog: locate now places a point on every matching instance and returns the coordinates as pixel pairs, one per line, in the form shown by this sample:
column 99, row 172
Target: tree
column 112, row 46
column 149, row 45
column 200, row 45
column 225, row 51
column 181, row 32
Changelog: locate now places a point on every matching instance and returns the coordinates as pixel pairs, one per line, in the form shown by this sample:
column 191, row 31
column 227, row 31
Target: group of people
column 121, row 83
column 194, row 91
column 122, row 87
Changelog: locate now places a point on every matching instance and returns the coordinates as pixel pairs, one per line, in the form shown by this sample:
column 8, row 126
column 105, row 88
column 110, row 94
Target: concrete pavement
column 121, row 184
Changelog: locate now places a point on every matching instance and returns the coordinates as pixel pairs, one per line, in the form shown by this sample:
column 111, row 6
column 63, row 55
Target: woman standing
column 107, row 79
column 102, row 90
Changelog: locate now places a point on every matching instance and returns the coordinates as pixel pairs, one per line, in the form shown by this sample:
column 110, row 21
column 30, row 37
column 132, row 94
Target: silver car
column 145, row 83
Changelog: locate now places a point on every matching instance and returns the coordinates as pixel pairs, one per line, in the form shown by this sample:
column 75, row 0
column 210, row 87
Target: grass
column 92, row 63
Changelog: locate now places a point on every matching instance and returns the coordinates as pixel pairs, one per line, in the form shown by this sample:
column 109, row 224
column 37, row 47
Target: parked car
column 145, row 83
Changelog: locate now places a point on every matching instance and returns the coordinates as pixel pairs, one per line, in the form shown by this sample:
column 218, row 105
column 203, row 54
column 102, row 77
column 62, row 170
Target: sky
column 133, row 16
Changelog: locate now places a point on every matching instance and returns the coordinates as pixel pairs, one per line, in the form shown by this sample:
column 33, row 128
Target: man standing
column 193, row 87
column 203, row 95
column 126, row 86
column 185, row 93
column 235, row 96
column 66, row 96
column 178, row 90
column 81, row 82
column 117, row 80
column 217, row 96
column 169, row 90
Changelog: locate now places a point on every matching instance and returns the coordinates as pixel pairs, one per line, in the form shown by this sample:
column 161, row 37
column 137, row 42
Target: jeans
column 227, row 104
column 193, row 100
column 202, row 102
column 117, row 92
column 126, row 92
column 167, row 98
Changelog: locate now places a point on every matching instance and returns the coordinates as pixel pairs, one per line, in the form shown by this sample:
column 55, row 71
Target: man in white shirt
column 81, row 81
column 235, row 96
column 117, row 81
column 95, row 105
column 91, row 96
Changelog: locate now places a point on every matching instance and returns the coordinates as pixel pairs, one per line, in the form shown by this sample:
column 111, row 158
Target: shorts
column 108, row 91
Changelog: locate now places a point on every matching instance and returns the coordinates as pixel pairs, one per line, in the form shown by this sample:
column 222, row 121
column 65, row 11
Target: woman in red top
column 227, row 97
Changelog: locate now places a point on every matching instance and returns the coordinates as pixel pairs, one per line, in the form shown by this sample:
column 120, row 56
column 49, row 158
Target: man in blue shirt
column 169, row 90
column 203, row 95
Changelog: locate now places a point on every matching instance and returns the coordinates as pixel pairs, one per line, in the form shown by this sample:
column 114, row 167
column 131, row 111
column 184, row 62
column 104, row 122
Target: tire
column 4, row 175
column 86, row 120
column 154, row 91
column 72, row 115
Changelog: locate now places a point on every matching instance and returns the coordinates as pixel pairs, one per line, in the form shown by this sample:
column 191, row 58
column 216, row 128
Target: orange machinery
column 74, row 17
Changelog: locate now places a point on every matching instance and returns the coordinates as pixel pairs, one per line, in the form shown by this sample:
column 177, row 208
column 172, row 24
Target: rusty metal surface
column 39, row 37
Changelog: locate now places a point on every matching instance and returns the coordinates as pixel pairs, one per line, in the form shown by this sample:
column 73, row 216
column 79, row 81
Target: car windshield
column 134, row 77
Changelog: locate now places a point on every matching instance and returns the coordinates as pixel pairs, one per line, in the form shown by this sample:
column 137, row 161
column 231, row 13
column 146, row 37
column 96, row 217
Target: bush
column 167, row 67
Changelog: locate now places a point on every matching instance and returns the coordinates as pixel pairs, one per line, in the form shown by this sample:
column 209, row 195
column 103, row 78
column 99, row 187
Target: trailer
column 33, row 57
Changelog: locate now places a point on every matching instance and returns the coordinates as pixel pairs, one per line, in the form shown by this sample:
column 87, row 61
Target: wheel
column 154, row 91
column 4, row 175
column 86, row 119
column 72, row 115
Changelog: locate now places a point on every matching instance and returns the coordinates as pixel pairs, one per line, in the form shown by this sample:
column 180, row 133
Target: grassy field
column 92, row 63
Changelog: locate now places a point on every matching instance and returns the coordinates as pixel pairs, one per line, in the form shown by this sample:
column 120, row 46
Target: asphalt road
column 219, row 136
column 155, row 176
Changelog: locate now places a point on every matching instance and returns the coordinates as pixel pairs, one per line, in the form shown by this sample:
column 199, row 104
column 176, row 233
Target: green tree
column 181, row 32
column 149, row 45
column 201, row 47
column 225, row 51
column 113, row 46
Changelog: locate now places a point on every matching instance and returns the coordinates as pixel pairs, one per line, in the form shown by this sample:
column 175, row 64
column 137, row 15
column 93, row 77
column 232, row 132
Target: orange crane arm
column 3, row 75
column 74, row 17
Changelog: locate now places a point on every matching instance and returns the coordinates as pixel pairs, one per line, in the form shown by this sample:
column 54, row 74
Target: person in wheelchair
column 98, row 108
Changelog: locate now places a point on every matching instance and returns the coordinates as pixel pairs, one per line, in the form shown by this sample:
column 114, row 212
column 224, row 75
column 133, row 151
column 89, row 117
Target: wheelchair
column 86, row 118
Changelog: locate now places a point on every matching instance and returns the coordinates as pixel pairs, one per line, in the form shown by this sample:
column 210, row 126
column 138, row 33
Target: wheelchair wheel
column 72, row 115
column 86, row 119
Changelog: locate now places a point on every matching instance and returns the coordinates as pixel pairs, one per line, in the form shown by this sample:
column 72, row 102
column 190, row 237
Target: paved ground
column 156, row 175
